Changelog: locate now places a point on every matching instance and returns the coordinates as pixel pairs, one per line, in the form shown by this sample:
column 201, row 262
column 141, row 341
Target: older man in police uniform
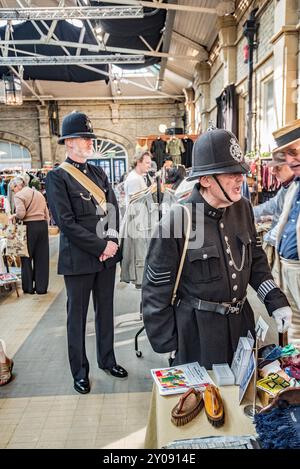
column 88, row 219
column 211, row 311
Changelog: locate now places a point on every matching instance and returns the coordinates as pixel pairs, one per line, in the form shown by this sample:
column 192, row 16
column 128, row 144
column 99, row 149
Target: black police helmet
column 217, row 151
column 76, row 125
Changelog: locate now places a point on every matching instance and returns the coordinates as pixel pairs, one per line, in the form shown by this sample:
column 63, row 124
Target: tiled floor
column 39, row 407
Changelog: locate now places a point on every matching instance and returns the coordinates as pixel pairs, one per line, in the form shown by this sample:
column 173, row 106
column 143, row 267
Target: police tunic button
column 226, row 238
column 228, row 250
column 233, row 300
column 84, row 171
column 235, row 287
column 204, row 256
column 222, row 225
column 230, row 263
column 233, row 275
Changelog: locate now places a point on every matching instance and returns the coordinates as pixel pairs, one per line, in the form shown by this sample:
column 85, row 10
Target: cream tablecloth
column 160, row 429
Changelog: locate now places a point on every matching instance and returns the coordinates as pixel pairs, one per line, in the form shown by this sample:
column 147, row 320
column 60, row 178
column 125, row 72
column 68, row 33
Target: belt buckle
column 233, row 309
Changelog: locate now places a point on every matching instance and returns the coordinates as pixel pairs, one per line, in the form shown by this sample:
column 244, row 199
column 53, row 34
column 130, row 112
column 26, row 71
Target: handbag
column 16, row 235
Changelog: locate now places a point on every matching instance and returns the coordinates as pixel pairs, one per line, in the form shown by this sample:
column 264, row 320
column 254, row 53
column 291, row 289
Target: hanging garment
column 174, row 149
column 140, row 219
column 186, row 157
column 227, row 110
column 158, row 150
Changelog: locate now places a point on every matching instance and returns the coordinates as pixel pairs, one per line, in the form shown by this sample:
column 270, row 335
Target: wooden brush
column 188, row 407
column 213, row 405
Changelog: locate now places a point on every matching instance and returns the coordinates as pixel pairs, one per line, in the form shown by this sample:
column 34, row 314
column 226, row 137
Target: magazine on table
column 178, row 379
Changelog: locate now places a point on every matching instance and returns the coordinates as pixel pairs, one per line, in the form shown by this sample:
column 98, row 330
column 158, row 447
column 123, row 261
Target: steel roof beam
column 166, row 44
column 67, row 13
column 225, row 7
column 72, row 60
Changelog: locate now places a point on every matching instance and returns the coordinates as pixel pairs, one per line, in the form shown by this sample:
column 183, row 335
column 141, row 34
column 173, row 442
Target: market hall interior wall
column 21, row 125
column 120, row 122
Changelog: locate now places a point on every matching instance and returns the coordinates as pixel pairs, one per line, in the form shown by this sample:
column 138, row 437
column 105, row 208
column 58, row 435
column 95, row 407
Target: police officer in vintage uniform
column 88, row 250
column 211, row 311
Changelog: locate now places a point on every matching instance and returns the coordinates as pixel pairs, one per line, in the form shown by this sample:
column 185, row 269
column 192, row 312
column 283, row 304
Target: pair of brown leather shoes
column 6, row 371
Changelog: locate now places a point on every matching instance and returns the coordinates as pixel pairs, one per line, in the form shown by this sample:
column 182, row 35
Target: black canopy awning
column 123, row 33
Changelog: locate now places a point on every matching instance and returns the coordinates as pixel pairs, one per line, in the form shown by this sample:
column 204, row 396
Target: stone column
column 44, row 135
column 190, row 109
column 202, row 96
column 227, row 37
column 285, row 47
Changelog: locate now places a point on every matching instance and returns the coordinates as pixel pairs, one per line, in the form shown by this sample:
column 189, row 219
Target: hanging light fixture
column 13, row 95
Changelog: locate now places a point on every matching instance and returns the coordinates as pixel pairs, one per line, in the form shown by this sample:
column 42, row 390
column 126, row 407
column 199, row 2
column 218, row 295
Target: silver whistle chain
column 231, row 257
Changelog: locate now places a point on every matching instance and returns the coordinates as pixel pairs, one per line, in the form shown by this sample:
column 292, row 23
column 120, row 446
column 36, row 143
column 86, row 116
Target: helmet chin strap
column 224, row 192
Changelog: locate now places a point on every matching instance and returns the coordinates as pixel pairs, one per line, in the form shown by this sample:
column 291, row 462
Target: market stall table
column 160, row 429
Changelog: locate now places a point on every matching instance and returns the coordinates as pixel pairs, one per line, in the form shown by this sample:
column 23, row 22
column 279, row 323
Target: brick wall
column 123, row 124
column 216, row 87
column 20, row 125
column 265, row 32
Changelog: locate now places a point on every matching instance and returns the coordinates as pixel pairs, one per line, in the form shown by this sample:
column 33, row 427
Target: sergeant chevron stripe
column 158, row 278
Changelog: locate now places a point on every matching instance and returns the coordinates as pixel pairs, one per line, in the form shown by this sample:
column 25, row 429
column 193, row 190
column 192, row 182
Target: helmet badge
column 235, row 150
column 89, row 124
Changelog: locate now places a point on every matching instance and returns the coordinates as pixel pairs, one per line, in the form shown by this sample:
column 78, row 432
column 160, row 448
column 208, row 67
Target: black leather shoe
column 82, row 386
column 118, row 371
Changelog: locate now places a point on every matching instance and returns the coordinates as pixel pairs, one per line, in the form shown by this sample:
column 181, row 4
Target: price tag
column 261, row 329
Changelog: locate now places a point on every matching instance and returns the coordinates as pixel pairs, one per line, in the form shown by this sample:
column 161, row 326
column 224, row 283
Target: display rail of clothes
column 142, row 214
column 177, row 146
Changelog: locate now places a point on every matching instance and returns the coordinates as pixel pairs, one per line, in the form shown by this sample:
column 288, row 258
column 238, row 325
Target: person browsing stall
column 135, row 181
column 31, row 208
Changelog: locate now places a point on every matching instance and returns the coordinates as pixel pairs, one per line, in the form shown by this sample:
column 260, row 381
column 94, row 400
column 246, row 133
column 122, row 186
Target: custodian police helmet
column 76, row 125
column 217, row 151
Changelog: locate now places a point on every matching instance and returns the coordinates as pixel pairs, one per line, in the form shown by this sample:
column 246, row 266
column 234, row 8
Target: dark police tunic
column 211, row 272
column 84, row 232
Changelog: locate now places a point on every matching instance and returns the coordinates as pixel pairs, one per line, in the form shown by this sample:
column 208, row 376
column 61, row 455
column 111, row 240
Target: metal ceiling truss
column 72, row 60
column 68, row 13
column 225, row 7
column 93, row 47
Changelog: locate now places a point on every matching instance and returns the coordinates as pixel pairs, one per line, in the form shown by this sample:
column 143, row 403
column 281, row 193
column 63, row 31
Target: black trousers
column 35, row 268
column 79, row 288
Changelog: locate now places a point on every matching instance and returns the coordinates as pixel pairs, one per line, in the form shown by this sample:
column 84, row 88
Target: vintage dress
column 208, row 274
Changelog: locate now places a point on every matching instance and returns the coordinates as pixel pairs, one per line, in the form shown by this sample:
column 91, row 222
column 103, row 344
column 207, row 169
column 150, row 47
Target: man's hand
column 109, row 251
column 283, row 318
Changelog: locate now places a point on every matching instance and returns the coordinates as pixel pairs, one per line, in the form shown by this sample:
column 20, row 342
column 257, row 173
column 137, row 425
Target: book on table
column 178, row 379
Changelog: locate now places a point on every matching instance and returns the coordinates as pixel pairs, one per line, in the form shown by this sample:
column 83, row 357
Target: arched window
column 14, row 156
column 112, row 157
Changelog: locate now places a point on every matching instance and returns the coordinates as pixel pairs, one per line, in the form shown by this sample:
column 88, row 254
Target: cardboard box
column 264, row 397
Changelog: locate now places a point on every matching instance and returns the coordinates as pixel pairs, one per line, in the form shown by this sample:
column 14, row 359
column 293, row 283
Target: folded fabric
column 278, row 425
column 293, row 372
column 291, row 361
column 272, row 384
column 289, row 350
column 268, row 354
